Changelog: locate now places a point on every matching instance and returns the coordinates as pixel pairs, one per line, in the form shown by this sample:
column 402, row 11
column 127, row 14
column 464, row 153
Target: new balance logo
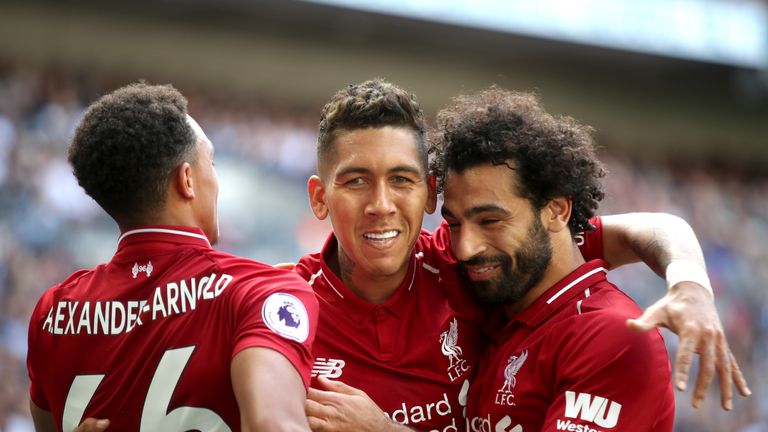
column 136, row 269
column 592, row 409
column 330, row 368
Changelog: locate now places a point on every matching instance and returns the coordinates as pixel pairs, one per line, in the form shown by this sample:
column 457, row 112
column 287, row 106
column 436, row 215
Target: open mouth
column 482, row 272
column 381, row 236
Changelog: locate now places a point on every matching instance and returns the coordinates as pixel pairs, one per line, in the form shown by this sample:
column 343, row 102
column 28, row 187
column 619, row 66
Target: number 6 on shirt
column 153, row 416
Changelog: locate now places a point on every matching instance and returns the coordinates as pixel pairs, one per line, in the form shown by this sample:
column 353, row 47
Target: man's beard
column 531, row 261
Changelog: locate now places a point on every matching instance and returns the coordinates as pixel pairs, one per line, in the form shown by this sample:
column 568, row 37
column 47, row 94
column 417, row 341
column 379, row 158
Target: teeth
column 381, row 236
column 483, row 269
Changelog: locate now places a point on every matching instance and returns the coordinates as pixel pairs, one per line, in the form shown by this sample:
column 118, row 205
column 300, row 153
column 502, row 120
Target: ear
column 557, row 213
column 183, row 182
column 316, row 193
column 432, row 197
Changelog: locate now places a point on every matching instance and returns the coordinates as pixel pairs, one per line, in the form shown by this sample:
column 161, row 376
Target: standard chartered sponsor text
column 416, row 414
column 568, row 425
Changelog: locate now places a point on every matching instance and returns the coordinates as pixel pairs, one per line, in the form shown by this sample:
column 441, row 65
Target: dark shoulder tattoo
column 653, row 249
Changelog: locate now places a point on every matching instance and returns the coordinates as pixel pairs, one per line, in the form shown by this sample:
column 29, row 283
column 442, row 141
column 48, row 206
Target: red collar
column 575, row 283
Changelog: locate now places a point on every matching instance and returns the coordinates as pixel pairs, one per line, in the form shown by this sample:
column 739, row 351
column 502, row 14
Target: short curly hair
column 553, row 156
column 372, row 104
column 127, row 145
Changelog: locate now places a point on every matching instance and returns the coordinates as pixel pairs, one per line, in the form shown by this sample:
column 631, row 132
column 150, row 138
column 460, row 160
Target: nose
column 467, row 242
column 381, row 201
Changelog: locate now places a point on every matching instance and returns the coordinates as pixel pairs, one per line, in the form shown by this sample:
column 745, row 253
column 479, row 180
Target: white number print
column 153, row 416
column 80, row 393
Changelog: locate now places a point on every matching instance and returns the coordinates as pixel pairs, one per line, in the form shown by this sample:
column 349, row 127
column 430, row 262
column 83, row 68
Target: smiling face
column 374, row 189
column 498, row 237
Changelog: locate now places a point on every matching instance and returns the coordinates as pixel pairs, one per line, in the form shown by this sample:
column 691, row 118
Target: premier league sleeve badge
column 286, row 315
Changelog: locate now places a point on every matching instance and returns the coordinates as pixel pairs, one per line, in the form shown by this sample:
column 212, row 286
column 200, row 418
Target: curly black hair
column 553, row 156
column 127, row 145
column 372, row 104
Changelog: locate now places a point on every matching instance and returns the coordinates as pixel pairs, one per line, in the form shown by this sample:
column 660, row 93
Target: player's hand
column 92, row 425
column 339, row 407
column 285, row 266
column 688, row 310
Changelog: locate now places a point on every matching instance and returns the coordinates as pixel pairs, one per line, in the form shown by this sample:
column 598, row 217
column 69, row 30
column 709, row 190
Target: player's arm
column 669, row 247
column 339, row 407
column 42, row 419
column 269, row 390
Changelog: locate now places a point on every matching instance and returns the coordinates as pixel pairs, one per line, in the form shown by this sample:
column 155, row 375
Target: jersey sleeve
column 611, row 379
column 437, row 246
column 279, row 312
column 36, row 392
column 591, row 242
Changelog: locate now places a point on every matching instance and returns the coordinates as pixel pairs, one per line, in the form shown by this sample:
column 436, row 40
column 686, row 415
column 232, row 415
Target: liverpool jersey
column 147, row 339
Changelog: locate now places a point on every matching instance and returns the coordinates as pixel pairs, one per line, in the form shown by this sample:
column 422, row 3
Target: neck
column 170, row 215
column 372, row 288
column 566, row 258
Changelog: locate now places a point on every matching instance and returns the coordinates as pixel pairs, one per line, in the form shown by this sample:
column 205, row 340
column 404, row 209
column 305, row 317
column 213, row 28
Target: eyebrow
column 351, row 170
column 406, row 168
column 485, row 208
column 396, row 169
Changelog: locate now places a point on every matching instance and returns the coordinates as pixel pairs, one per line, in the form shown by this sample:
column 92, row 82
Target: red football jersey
column 147, row 339
column 568, row 362
column 414, row 355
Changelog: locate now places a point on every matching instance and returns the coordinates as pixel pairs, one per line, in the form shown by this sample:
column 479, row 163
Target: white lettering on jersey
column 584, row 407
column 419, row 413
column 568, row 425
column 112, row 317
column 330, row 368
column 483, row 424
column 463, row 397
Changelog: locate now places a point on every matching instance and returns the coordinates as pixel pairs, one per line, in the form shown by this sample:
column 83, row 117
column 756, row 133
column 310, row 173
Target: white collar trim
column 164, row 231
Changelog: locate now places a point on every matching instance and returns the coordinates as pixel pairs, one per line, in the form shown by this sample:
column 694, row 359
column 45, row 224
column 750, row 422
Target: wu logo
column 513, row 366
column 592, row 408
column 136, row 269
column 330, row 368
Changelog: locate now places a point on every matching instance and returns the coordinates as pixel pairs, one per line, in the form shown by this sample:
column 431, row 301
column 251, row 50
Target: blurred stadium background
column 677, row 90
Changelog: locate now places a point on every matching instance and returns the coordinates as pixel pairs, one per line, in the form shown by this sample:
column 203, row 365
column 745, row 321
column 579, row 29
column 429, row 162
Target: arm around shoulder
column 657, row 239
column 668, row 245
